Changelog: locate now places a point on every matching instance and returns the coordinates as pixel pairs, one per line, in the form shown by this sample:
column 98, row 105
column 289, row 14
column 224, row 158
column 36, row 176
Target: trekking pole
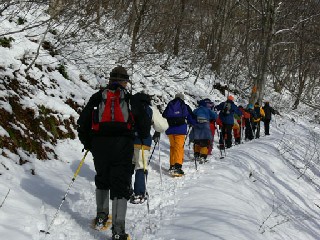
column 185, row 139
column 154, row 147
column 195, row 160
column 65, row 195
column 219, row 134
column 145, row 182
column 241, row 130
column 160, row 165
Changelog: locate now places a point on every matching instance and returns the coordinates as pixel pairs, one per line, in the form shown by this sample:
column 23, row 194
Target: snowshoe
column 203, row 160
column 138, row 199
column 171, row 169
column 102, row 222
column 178, row 172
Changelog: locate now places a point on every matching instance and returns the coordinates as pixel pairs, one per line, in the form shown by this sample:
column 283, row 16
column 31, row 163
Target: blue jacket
column 229, row 118
column 205, row 113
column 201, row 130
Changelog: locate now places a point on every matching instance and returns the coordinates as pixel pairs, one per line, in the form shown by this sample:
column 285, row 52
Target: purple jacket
column 181, row 129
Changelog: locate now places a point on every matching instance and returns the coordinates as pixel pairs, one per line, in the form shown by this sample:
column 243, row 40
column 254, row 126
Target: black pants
column 258, row 129
column 267, row 126
column 113, row 162
column 250, row 129
column 226, row 135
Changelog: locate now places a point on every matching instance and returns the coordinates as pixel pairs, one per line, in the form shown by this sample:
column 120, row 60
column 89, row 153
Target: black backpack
column 257, row 111
column 140, row 103
column 226, row 108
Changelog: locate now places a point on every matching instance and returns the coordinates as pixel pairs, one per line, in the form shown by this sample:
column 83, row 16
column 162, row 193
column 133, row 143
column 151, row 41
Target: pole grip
column 80, row 165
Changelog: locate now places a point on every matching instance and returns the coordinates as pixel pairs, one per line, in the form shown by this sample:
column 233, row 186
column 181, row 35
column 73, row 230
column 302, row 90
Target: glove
column 87, row 145
column 156, row 137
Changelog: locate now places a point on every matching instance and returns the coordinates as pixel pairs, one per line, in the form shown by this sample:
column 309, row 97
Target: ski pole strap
column 80, row 165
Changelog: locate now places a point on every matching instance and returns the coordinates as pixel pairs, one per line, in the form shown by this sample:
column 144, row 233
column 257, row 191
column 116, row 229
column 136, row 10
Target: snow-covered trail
column 253, row 193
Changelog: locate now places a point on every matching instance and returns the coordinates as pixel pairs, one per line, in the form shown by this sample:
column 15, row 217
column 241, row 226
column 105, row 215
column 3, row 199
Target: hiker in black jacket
column 106, row 128
column 268, row 110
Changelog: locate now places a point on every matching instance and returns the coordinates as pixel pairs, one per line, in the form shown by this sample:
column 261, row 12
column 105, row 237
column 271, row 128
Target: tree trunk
column 139, row 13
column 178, row 28
column 267, row 26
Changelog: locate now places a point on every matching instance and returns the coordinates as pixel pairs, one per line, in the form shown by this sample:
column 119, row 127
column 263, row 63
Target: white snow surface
column 253, row 193
column 266, row 189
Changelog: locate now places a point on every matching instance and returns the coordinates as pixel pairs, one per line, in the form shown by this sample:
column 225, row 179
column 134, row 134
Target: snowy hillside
column 264, row 189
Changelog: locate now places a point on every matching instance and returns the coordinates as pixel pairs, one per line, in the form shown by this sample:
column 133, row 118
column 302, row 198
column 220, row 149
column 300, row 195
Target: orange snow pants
column 176, row 148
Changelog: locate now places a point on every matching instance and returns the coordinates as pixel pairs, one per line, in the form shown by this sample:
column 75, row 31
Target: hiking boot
column 171, row 169
column 138, row 199
column 124, row 236
column 178, row 172
column 202, row 160
column 101, row 220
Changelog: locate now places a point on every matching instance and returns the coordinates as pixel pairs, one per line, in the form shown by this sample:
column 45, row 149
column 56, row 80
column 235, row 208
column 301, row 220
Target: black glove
column 87, row 145
column 156, row 137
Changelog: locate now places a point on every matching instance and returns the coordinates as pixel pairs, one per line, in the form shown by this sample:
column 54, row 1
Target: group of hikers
column 115, row 126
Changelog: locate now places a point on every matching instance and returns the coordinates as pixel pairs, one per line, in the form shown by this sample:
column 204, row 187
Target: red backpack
column 113, row 116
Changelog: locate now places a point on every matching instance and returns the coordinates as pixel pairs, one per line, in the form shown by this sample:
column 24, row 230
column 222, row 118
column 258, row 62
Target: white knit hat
column 179, row 95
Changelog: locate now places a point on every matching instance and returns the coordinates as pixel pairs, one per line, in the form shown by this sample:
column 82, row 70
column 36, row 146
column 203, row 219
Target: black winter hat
column 119, row 73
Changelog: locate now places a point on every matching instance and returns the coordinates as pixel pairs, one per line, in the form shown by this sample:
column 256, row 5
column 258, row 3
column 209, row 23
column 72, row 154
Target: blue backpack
column 176, row 112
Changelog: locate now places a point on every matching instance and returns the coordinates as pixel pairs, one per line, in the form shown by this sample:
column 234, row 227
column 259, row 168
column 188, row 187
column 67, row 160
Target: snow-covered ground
column 253, row 193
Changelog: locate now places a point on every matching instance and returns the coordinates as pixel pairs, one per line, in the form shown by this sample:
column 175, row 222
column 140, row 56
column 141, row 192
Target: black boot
column 178, row 170
column 119, row 210
column 120, row 236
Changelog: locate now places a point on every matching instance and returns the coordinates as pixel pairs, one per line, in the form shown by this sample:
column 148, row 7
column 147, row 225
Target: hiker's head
column 230, row 98
column 179, row 95
column 119, row 75
column 206, row 103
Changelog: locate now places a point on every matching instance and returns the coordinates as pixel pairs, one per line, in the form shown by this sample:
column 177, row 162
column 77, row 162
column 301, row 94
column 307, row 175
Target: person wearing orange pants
column 201, row 133
column 176, row 149
column 178, row 114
